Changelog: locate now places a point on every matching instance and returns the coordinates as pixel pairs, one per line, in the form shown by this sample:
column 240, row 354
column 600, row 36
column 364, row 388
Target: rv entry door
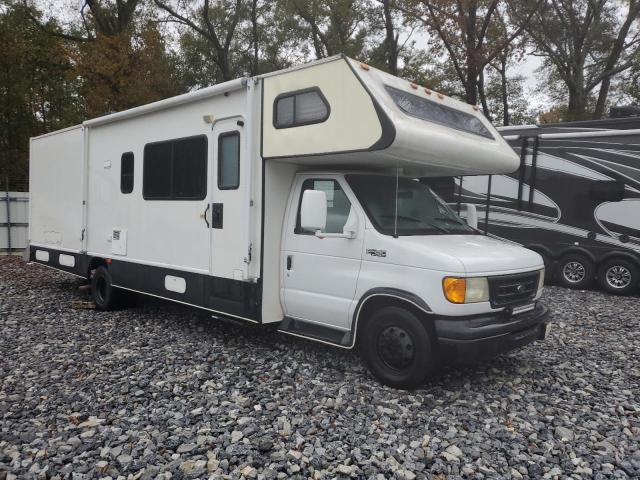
column 230, row 210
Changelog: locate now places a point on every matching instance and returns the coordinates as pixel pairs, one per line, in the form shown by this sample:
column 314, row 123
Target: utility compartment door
column 230, row 208
column 320, row 274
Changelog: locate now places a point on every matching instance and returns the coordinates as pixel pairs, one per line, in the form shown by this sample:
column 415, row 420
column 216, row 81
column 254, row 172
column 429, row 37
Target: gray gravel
column 162, row 391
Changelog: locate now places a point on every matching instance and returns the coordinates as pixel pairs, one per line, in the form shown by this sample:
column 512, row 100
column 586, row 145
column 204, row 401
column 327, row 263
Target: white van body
column 197, row 198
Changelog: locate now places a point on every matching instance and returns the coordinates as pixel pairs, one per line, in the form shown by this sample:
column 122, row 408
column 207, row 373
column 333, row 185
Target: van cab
column 387, row 263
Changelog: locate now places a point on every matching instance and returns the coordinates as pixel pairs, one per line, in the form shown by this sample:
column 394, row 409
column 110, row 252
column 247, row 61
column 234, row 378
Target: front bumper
column 480, row 337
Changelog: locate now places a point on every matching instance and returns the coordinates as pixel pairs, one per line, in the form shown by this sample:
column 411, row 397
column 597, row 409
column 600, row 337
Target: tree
column 332, row 26
column 119, row 54
column 216, row 24
column 38, row 93
column 392, row 44
column 586, row 43
column 97, row 17
column 507, row 99
column 125, row 70
column 466, row 32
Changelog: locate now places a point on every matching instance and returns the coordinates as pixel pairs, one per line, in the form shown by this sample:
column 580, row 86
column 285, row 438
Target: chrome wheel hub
column 618, row 276
column 574, row 272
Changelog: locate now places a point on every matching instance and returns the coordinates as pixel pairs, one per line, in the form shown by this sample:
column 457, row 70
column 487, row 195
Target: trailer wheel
column 575, row 271
column 396, row 347
column 104, row 295
column 618, row 276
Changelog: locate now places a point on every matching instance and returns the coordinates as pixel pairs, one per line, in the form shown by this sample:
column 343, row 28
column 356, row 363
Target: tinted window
column 338, row 205
column 304, row 107
column 434, row 112
column 284, row 111
column 415, row 210
column 229, row 161
column 190, row 168
column 175, row 169
column 126, row 172
column 156, row 171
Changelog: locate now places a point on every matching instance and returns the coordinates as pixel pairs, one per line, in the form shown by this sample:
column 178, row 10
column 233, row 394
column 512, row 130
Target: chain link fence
column 14, row 214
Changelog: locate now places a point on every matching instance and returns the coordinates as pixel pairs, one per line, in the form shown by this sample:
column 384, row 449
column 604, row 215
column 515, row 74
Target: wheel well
column 619, row 255
column 94, row 263
column 542, row 250
column 376, row 302
column 579, row 251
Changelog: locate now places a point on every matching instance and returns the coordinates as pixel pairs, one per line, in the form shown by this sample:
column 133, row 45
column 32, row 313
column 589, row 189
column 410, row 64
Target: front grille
column 509, row 290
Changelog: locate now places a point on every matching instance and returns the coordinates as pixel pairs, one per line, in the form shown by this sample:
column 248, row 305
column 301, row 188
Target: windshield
column 420, row 211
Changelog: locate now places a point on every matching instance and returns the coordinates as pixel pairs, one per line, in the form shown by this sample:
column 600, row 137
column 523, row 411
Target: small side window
column 126, row 172
column 303, row 107
column 229, row 161
column 338, row 205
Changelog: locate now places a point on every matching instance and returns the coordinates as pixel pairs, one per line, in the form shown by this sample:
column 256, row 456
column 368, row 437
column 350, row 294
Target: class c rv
column 291, row 200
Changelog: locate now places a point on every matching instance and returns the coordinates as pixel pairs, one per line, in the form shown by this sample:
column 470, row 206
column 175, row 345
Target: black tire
column 575, row 271
column 104, row 295
column 388, row 332
column 618, row 276
column 549, row 273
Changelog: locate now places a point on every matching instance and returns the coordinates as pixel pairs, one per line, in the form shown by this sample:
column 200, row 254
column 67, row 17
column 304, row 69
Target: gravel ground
column 162, row 391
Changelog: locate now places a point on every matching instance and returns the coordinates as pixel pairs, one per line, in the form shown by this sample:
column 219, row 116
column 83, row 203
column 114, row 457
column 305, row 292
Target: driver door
column 320, row 274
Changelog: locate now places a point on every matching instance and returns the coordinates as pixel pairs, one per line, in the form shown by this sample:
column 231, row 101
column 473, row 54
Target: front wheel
column 397, row 349
column 618, row 276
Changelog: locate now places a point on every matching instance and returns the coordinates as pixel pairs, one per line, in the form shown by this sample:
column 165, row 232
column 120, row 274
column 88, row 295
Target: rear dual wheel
column 105, row 295
column 397, row 348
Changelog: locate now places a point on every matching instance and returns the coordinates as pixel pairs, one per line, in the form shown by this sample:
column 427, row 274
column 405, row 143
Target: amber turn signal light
column 454, row 289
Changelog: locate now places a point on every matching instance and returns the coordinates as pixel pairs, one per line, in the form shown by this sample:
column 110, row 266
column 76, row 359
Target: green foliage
column 38, row 93
column 518, row 105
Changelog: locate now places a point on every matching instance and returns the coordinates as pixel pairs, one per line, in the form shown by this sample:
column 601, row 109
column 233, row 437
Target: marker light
column 466, row 290
column 541, row 280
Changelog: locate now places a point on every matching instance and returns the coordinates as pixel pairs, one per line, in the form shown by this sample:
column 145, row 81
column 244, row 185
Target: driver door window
column 338, row 205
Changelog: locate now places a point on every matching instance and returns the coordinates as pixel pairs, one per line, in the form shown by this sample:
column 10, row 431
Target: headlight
column 466, row 290
column 541, row 280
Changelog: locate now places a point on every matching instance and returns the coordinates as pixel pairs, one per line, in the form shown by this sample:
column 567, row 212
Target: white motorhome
column 290, row 199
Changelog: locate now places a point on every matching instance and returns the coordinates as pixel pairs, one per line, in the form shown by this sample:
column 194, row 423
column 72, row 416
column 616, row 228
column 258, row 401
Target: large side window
column 175, row 169
column 229, row 160
column 338, row 205
column 126, row 172
column 303, row 107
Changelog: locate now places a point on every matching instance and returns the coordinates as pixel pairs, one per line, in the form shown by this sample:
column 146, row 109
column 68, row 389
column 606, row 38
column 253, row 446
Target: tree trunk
column 506, row 120
column 614, row 57
column 483, row 96
column 254, row 32
column 391, row 41
column 471, row 82
column 223, row 64
column 577, row 104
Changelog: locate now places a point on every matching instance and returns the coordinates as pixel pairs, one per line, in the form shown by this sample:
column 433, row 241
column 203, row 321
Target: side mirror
column 313, row 210
column 472, row 215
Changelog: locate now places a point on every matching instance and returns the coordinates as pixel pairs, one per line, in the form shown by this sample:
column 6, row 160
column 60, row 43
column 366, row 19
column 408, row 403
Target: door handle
column 204, row 215
column 288, row 262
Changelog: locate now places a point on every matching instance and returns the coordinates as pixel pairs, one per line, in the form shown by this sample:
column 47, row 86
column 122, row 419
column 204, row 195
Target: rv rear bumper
column 480, row 337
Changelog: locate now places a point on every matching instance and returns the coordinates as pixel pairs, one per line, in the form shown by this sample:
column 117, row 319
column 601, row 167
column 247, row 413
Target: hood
column 468, row 254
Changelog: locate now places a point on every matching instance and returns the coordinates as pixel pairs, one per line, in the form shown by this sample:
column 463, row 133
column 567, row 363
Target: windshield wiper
column 417, row 220
column 451, row 220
